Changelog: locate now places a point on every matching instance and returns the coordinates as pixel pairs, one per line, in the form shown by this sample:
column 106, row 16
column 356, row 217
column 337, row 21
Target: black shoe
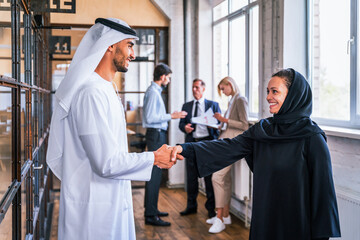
column 162, row 214
column 156, row 221
column 188, row 211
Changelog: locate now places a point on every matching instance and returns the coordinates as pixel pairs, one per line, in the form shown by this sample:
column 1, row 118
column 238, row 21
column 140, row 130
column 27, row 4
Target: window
column 236, row 49
column 220, row 56
column 220, row 10
column 332, row 62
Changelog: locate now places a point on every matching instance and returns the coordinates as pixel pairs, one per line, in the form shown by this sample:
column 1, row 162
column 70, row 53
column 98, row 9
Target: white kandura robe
column 96, row 197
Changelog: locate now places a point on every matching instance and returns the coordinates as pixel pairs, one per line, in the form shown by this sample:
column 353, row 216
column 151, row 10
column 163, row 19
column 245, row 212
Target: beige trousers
column 221, row 181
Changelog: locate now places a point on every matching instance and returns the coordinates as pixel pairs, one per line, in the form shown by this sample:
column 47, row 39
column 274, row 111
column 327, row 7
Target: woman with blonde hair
column 234, row 122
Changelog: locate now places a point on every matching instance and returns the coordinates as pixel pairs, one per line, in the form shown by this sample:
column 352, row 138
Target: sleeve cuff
column 168, row 116
column 188, row 150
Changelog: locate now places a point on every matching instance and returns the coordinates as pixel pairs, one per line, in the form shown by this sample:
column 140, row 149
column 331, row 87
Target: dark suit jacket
column 187, row 107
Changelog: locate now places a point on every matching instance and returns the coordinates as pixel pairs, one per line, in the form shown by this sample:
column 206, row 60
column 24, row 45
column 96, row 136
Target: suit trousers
column 221, row 181
column 155, row 138
column 192, row 185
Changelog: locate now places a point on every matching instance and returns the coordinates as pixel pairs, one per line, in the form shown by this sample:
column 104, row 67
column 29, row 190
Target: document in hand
column 206, row 119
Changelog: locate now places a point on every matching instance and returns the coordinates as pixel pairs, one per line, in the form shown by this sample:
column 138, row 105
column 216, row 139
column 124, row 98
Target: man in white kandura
column 88, row 148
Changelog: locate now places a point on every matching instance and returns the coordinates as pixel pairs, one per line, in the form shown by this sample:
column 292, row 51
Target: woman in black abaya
column 294, row 196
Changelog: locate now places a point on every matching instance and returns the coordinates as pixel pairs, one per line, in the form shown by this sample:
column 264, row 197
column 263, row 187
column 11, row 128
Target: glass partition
column 5, row 139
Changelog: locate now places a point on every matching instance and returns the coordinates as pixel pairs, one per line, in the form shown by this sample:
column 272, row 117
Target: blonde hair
column 228, row 81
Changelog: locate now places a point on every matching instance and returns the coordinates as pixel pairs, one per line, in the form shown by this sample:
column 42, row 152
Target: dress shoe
column 162, row 214
column 188, row 211
column 156, row 221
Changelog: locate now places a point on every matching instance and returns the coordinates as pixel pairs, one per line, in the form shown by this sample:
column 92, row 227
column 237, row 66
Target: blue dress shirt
column 154, row 112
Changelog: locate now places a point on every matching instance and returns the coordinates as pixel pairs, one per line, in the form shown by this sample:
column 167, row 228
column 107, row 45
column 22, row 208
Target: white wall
column 205, row 47
column 173, row 9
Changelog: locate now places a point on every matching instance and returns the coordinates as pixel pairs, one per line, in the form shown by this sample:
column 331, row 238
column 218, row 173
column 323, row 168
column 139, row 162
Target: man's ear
column 162, row 77
column 111, row 48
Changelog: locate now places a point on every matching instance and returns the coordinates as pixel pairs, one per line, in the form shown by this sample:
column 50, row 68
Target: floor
column 182, row 227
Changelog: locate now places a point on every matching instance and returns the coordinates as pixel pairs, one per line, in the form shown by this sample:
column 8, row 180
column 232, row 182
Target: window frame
column 244, row 11
column 354, row 121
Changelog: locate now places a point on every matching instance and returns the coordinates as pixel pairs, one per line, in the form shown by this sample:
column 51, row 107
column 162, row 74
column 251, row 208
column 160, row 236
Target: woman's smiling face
column 276, row 94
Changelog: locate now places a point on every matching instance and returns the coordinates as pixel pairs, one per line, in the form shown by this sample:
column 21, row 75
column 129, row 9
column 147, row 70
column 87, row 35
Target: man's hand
column 176, row 114
column 175, row 153
column 188, row 128
column 220, row 118
column 162, row 157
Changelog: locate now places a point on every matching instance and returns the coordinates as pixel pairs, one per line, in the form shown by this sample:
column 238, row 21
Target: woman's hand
column 220, row 118
column 175, row 153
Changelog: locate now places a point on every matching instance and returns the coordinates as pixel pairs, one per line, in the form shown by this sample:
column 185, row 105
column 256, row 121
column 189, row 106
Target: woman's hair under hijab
column 286, row 74
column 226, row 81
column 161, row 69
column 202, row 83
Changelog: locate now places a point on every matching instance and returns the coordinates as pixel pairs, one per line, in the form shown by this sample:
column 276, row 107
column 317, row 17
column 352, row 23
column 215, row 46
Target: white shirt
column 96, row 197
column 201, row 130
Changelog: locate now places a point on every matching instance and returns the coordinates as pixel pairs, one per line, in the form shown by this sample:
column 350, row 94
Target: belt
column 201, row 139
column 157, row 129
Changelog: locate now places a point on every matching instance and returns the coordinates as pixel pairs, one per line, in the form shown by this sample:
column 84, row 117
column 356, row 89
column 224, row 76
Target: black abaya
column 293, row 189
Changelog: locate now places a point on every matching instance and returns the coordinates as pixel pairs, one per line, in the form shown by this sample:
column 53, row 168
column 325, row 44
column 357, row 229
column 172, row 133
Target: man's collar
column 201, row 100
column 156, row 86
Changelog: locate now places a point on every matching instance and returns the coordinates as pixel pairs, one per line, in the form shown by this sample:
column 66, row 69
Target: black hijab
column 293, row 121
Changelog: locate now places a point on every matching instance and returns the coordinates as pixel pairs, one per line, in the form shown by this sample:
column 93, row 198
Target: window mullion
column 247, row 52
column 353, row 63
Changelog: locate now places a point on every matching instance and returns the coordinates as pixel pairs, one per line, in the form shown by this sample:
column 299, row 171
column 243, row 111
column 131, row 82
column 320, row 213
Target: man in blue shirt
column 155, row 120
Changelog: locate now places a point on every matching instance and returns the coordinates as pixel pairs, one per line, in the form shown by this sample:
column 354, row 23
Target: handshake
column 166, row 156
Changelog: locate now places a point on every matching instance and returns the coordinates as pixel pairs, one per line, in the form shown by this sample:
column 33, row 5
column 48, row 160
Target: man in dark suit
column 195, row 133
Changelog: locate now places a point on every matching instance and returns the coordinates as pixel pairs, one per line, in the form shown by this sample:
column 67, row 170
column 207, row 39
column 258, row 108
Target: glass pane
column 163, row 45
column 145, row 46
column 358, row 68
column 5, row 139
column 220, row 10
column 6, row 226
column 23, row 209
column 5, row 51
column 34, row 126
column 254, row 60
column 59, row 69
column 237, row 51
column 137, row 79
column 22, row 124
column 237, row 4
column 134, row 83
column 76, row 35
column 331, row 63
column 220, row 53
column 22, row 63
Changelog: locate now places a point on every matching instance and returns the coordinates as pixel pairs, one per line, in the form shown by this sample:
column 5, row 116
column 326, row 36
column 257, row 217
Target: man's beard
column 120, row 66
